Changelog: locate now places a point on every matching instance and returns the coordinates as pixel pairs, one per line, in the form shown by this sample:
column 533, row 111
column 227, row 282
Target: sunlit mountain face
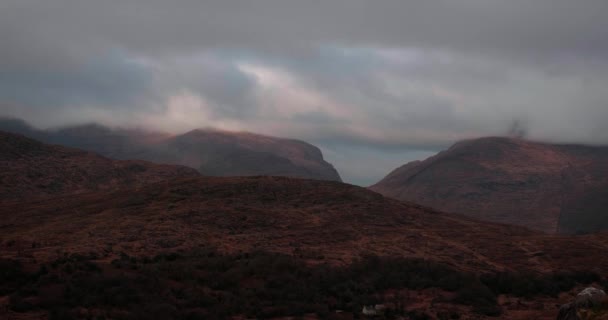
column 283, row 159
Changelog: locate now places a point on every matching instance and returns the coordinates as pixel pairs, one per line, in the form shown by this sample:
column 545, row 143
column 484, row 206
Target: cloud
column 107, row 80
column 374, row 80
column 155, row 26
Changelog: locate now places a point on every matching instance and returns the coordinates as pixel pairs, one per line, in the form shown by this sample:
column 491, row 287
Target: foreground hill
column 337, row 221
column 211, row 152
column 553, row 188
column 31, row 169
column 270, row 246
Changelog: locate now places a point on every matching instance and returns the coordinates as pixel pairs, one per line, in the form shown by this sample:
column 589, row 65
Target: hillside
column 338, row 221
column 270, row 246
column 211, row 152
column 85, row 237
column 552, row 188
column 32, row 169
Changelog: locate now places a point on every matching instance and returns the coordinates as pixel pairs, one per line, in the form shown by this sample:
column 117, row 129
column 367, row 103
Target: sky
column 374, row 84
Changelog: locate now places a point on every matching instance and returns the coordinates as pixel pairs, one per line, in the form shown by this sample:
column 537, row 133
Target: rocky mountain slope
column 31, row 169
column 552, row 188
column 211, row 152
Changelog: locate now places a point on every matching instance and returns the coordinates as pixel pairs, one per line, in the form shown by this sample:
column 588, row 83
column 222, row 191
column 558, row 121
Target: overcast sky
column 374, row 83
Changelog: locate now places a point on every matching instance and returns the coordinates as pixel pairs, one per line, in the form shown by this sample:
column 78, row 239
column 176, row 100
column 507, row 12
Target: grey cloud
column 108, row 80
column 214, row 75
column 538, row 27
column 377, row 81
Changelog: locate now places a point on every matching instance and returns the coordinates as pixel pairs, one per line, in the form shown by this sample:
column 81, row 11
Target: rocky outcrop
column 587, row 305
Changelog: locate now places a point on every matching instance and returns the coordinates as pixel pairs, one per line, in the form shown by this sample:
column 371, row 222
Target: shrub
column 12, row 276
column 254, row 284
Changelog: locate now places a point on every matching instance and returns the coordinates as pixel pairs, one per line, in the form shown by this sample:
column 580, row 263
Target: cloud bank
column 373, row 83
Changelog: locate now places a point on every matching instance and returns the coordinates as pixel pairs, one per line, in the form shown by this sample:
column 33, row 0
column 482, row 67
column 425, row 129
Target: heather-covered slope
column 32, row 169
column 273, row 247
column 316, row 218
column 553, row 188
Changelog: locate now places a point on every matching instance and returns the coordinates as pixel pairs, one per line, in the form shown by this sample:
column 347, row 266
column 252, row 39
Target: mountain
column 222, row 153
column 272, row 247
column 86, row 237
column 211, row 152
column 547, row 187
column 32, row 169
column 19, row 126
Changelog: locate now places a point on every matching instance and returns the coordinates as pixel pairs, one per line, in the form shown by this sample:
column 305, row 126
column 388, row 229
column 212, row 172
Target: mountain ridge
column 210, row 151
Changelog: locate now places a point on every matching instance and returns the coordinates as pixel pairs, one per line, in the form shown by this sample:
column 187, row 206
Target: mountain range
column 85, row 236
column 275, row 247
column 211, row 152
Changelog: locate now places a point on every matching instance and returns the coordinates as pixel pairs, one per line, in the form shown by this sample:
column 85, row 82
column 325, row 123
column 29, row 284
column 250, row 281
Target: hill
column 552, row 188
column 270, row 247
column 338, row 221
column 32, row 169
column 84, row 237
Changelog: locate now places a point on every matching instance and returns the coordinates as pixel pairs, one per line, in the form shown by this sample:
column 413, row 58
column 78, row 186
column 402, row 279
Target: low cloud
column 374, row 84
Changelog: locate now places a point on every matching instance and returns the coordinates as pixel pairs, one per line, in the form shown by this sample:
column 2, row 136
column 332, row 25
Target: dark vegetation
column 208, row 285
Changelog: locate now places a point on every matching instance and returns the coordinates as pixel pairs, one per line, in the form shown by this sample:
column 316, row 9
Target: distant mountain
column 32, row 169
column 211, row 152
column 222, row 153
column 14, row 125
column 553, row 188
